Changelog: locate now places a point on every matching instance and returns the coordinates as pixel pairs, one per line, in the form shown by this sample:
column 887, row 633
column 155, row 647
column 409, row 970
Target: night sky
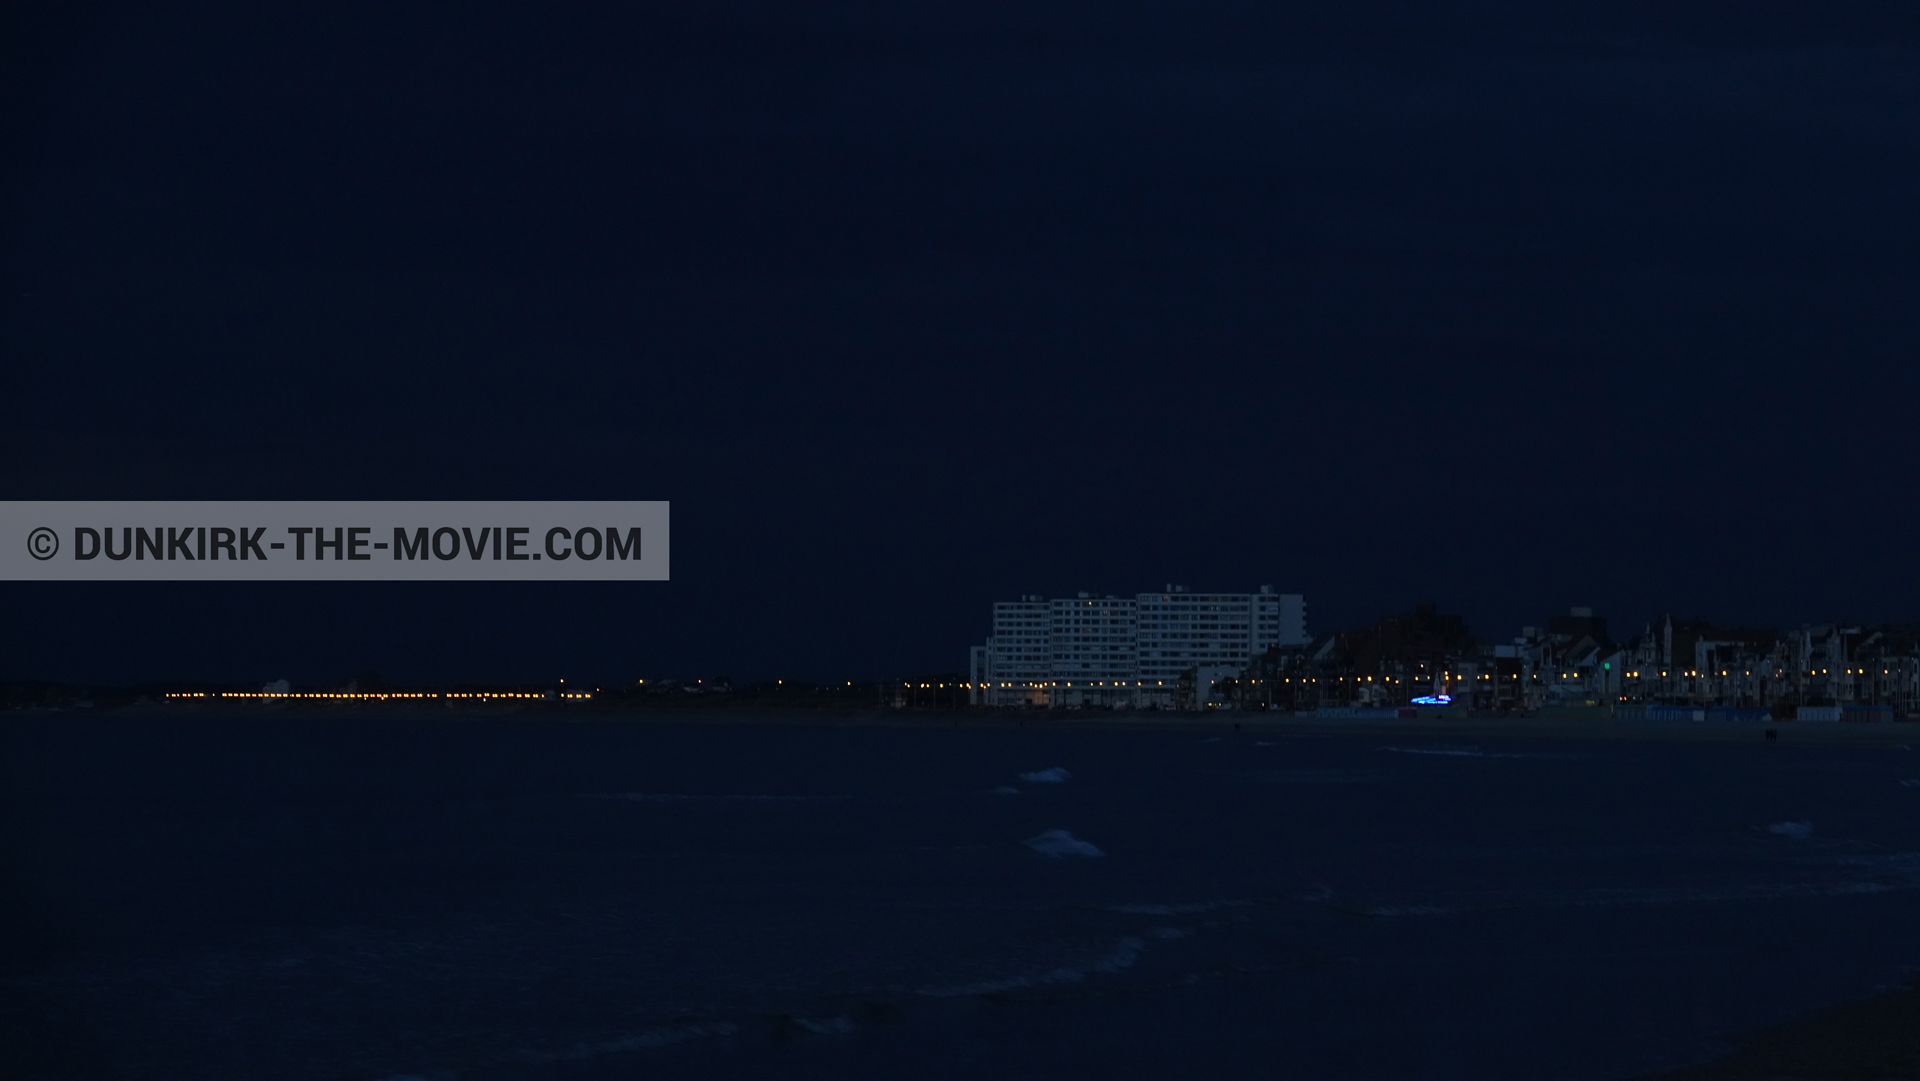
column 912, row 307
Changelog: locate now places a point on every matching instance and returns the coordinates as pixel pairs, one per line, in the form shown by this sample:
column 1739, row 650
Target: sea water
column 387, row 896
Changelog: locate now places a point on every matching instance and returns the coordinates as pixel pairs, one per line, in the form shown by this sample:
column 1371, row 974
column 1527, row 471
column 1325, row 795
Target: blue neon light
column 1434, row 700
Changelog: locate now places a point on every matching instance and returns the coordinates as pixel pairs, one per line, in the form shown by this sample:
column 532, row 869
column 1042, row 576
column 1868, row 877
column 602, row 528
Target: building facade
column 1826, row 671
column 1020, row 653
column 1094, row 644
column 1116, row 652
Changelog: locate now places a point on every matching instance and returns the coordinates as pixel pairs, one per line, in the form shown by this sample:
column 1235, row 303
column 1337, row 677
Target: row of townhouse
column 1572, row 663
column 1818, row 666
column 1125, row 652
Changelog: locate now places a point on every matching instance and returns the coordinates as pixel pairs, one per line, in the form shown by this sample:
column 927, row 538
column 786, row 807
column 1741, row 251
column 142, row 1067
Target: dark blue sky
column 912, row 307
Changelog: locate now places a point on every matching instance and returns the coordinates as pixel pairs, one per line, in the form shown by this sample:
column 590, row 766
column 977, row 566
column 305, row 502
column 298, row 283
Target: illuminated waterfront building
column 1108, row 651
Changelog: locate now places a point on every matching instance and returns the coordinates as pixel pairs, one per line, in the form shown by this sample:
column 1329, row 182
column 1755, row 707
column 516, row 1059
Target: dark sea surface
column 379, row 896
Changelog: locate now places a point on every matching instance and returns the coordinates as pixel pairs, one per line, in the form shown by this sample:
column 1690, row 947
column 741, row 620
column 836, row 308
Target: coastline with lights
column 1178, row 656
column 912, row 704
column 1190, row 651
column 378, row 696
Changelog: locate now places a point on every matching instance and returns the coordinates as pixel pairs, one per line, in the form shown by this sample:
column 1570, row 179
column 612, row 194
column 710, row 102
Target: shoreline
column 1218, row 723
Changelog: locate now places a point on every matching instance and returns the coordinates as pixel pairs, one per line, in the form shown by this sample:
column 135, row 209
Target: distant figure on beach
column 1772, row 734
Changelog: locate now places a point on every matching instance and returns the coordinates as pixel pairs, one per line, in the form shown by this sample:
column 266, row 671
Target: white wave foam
column 1006, row 790
column 1056, row 775
column 1910, row 782
column 1796, row 830
column 1261, row 743
column 1060, row 843
column 832, row 1026
column 1124, row 953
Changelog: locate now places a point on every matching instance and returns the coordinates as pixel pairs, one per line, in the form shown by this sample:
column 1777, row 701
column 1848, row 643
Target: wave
column 1060, row 843
column 1177, row 909
column 674, row 797
column 643, row 1040
column 1123, row 954
column 1657, row 895
column 1452, row 752
column 1317, row 776
column 1475, row 752
column 1056, row 775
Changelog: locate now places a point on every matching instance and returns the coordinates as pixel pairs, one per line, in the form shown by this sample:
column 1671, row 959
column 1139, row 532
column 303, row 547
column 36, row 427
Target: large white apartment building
column 1093, row 646
column 1181, row 630
column 1113, row 651
column 1020, row 653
